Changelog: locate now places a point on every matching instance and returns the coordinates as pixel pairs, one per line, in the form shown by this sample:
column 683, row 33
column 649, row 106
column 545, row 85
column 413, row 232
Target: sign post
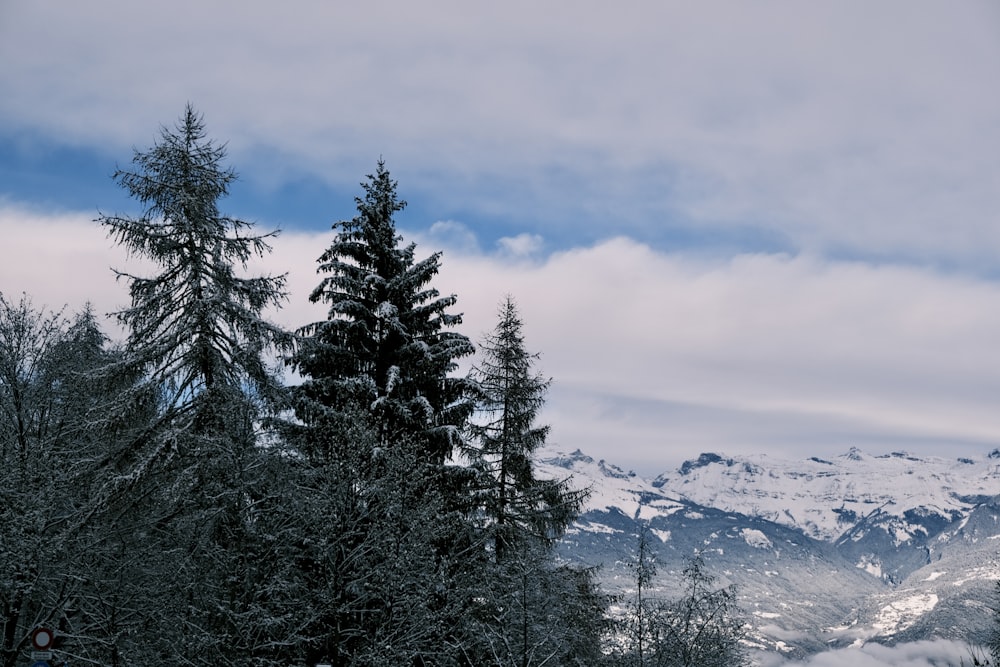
column 41, row 641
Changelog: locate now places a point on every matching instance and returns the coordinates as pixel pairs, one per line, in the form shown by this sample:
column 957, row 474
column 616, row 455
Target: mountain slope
column 823, row 552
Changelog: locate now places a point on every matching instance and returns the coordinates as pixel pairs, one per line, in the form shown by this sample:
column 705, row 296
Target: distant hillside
column 824, row 552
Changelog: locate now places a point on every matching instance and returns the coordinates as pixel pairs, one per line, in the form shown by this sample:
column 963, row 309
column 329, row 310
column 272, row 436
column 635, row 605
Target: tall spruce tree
column 504, row 438
column 386, row 344
column 378, row 414
column 531, row 610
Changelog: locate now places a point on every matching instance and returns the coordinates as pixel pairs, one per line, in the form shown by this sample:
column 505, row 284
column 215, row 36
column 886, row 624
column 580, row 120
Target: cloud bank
column 656, row 356
column 916, row 654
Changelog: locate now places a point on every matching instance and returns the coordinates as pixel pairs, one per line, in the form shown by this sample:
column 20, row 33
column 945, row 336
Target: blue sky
column 730, row 227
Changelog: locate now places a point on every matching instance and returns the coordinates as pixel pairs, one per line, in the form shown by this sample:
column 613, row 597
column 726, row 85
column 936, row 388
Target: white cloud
column 656, row 356
column 522, row 245
column 59, row 260
column 914, row 654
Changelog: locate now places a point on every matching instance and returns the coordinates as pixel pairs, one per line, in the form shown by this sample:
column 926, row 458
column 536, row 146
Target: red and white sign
column 41, row 639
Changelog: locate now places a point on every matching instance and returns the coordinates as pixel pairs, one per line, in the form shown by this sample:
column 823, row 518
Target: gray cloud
column 838, row 127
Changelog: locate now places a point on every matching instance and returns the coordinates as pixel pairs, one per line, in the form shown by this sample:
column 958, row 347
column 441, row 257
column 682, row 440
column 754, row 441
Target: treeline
column 169, row 500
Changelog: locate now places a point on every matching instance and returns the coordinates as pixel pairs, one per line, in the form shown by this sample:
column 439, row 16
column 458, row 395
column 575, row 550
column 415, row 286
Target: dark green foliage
column 386, row 344
column 169, row 502
column 377, row 417
column 196, row 323
column 196, row 480
column 530, row 611
column 504, row 438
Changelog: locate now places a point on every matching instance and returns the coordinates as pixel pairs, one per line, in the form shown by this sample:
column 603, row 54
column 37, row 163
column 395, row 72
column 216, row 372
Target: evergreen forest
column 215, row 490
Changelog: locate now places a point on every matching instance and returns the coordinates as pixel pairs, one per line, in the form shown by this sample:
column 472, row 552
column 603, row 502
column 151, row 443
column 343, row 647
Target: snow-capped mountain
column 824, row 552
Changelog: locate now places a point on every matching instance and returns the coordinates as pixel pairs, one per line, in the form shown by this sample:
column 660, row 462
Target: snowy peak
column 854, row 454
column 826, row 498
column 611, row 487
column 701, row 462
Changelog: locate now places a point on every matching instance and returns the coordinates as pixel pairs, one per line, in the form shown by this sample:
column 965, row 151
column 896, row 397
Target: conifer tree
column 504, row 438
column 195, row 328
column 196, row 324
column 532, row 611
column 378, row 415
column 386, row 344
column 198, row 337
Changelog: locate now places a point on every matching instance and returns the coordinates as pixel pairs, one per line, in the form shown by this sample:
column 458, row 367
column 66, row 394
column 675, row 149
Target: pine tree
column 378, row 415
column 195, row 325
column 195, row 328
column 531, row 611
column 504, row 439
column 197, row 335
column 386, row 344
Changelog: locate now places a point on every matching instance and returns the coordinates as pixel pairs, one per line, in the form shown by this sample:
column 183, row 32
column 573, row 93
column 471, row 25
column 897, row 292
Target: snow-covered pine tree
column 530, row 610
column 196, row 324
column 386, row 344
column 504, row 438
column 196, row 330
column 198, row 337
column 378, row 415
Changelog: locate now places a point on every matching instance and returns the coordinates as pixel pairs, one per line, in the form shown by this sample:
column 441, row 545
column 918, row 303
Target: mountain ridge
column 825, row 552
